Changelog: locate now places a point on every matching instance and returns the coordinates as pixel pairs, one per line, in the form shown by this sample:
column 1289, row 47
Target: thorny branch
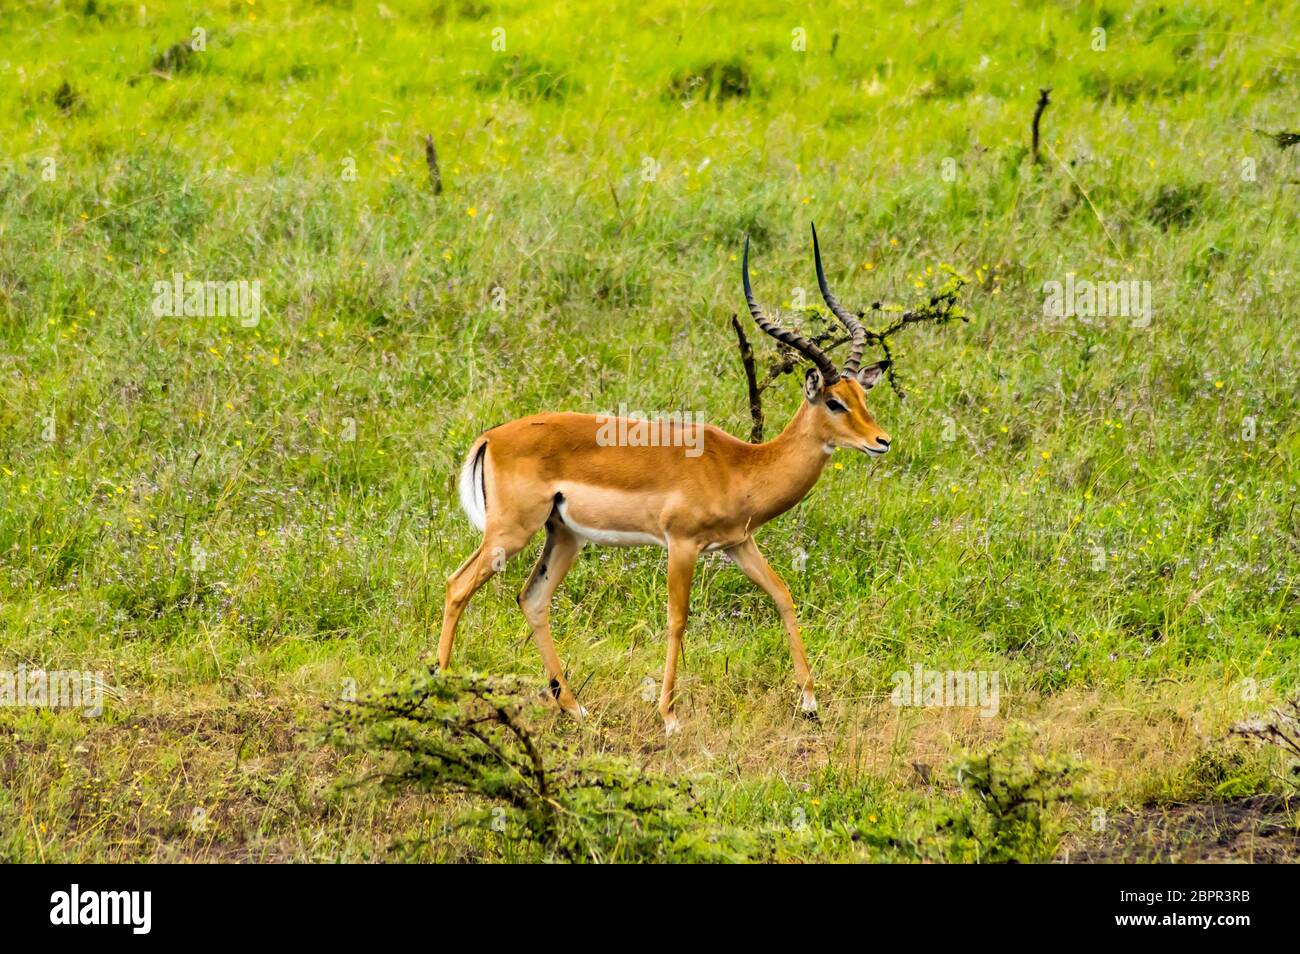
column 941, row 308
column 1282, row 731
column 470, row 735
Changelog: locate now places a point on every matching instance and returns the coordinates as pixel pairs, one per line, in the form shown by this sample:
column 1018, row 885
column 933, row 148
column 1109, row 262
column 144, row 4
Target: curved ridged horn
column 847, row 318
column 798, row 342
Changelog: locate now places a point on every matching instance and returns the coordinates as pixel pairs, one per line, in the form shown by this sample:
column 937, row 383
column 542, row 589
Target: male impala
column 555, row 471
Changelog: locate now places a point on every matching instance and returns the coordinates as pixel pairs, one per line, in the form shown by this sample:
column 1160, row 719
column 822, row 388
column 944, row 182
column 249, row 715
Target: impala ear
column 870, row 376
column 813, row 382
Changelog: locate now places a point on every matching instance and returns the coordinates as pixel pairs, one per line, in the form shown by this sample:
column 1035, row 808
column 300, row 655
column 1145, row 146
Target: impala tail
column 473, row 484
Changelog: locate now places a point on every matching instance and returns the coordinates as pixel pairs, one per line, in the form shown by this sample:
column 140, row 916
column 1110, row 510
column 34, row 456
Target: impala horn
column 801, row 344
column 847, row 318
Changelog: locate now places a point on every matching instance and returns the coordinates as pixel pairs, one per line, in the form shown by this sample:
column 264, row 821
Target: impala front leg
column 681, row 569
column 749, row 558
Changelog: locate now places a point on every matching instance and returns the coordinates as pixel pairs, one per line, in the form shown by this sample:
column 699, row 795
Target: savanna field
column 243, row 527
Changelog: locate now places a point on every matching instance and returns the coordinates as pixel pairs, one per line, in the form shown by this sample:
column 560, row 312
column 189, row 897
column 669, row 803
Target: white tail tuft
column 473, row 497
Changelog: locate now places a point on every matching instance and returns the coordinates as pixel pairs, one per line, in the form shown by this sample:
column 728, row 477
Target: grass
column 238, row 524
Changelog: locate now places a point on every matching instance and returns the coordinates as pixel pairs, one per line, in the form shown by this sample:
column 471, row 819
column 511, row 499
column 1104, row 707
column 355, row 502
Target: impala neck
column 790, row 464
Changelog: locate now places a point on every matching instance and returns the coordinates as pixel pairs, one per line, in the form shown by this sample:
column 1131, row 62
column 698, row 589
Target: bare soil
column 1261, row 829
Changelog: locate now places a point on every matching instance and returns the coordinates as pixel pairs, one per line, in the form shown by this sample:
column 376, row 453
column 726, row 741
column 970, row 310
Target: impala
column 554, row 471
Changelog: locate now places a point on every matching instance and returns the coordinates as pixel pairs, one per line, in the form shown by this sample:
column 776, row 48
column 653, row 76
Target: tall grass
column 235, row 523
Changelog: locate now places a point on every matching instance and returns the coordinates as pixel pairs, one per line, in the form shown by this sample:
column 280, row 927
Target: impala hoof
column 671, row 725
column 576, row 710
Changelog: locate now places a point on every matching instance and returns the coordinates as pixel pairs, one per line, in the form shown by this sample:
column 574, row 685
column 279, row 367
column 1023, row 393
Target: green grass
column 1025, row 446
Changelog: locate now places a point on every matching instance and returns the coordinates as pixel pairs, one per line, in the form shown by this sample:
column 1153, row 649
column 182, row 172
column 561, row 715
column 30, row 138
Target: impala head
column 837, row 397
column 841, row 409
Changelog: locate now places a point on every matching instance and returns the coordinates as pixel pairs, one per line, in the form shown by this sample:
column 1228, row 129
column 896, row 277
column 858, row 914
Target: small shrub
column 67, row 99
column 152, row 199
column 1016, row 792
column 1217, row 771
column 470, row 734
column 446, row 10
column 1175, row 205
column 716, row 81
column 176, row 59
column 947, row 86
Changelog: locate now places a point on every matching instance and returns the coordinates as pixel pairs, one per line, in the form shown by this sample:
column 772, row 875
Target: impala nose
column 881, row 446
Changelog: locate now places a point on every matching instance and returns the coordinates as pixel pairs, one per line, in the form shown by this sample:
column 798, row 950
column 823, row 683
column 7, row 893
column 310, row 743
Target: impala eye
column 836, row 406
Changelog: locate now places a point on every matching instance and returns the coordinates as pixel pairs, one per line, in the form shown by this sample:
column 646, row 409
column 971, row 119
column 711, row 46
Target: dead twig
column 1038, row 116
column 431, row 160
column 751, row 382
column 1283, row 140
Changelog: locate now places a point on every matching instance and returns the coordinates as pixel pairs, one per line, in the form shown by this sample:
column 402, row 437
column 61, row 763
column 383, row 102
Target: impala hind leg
column 462, row 585
column 681, row 570
column 498, row 546
column 558, row 554
column 750, row 559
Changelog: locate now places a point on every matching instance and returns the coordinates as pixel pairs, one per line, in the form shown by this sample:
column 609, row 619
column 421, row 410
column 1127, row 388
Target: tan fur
column 550, row 470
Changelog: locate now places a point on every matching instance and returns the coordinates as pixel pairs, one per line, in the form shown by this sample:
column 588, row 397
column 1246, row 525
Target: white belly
column 607, row 538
